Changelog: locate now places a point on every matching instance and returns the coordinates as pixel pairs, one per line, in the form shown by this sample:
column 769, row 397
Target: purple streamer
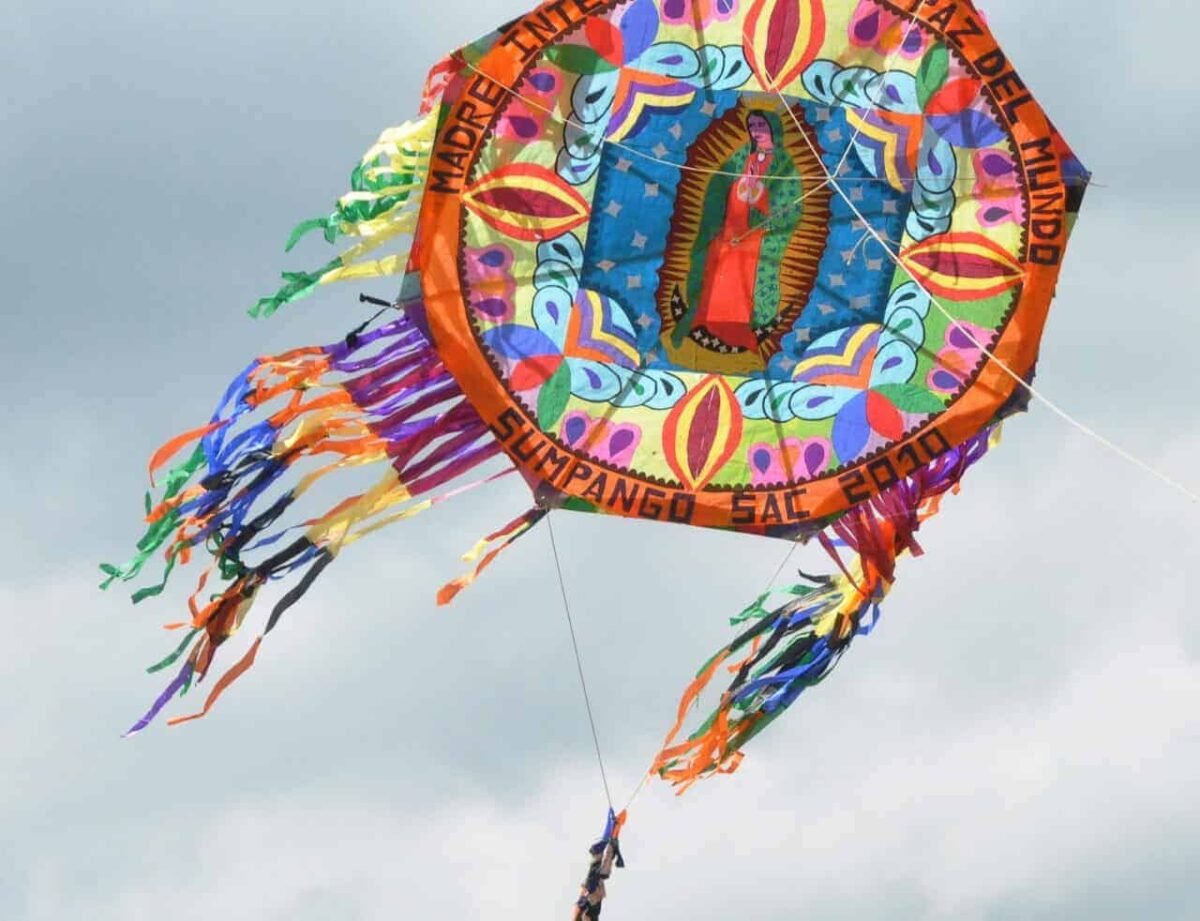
column 180, row 680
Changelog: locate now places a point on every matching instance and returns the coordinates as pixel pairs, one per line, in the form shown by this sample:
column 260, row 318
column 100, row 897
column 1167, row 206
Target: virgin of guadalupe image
column 750, row 209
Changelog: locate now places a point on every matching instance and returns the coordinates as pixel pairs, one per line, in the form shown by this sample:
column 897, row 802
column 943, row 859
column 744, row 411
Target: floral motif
column 790, row 460
column 997, row 189
column 870, row 399
column 599, row 437
column 581, row 343
column 884, row 32
column 958, row 358
column 958, row 113
column 594, row 333
column 858, row 377
column 623, row 74
column 525, row 117
column 894, row 138
column 532, row 357
column 492, row 287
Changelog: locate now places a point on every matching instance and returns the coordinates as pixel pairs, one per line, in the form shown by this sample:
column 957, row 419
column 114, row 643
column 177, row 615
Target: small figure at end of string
column 604, row 853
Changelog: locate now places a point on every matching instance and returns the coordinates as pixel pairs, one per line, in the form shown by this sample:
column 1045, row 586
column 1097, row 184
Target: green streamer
column 159, row 666
column 296, row 285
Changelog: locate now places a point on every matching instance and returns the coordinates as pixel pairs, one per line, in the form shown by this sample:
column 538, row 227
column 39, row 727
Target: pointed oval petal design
column 782, row 38
column 526, row 201
column 963, row 266
column 702, row 432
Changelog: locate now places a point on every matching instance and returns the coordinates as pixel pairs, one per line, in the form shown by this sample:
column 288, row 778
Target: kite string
column 603, row 139
column 1034, row 392
column 792, row 545
column 769, row 219
column 587, row 701
column 858, row 130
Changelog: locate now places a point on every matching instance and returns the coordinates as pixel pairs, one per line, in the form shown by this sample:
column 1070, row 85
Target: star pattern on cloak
column 639, row 240
column 651, row 189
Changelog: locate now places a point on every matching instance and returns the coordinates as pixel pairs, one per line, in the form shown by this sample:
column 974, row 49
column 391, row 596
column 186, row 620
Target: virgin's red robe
column 726, row 306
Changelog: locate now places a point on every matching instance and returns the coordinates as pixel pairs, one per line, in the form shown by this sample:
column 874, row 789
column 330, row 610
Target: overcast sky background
column 1019, row 739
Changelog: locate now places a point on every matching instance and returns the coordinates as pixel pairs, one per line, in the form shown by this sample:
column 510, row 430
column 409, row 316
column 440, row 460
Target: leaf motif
column 932, row 74
column 578, row 59
column 605, row 39
column 911, row 398
column 639, row 26
column 553, row 397
column 955, row 96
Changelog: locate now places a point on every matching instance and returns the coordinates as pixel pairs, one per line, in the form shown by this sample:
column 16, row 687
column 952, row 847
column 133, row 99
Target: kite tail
column 379, row 398
column 796, row 645
column 383, row 203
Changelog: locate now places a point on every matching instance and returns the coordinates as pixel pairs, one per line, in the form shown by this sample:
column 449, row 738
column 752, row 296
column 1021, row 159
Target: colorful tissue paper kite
column 776, row 266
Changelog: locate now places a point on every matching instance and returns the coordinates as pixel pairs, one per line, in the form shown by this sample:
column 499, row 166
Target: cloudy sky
column 1018, row 740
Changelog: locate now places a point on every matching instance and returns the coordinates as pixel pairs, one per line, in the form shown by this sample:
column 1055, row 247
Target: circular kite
column 776, row 266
